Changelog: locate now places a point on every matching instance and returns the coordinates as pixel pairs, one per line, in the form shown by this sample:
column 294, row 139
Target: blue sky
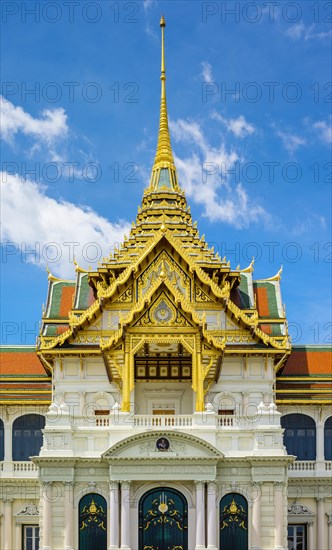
column 249, row 98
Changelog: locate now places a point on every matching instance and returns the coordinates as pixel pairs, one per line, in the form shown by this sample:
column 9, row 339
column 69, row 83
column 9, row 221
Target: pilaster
column 125, row 512
column 256, row 516
column 211, row 516
column 69, row 515
column 200, row 515
column 114, row 515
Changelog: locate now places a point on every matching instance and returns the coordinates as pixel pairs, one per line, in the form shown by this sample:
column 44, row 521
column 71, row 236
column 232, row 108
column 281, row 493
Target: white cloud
column 291, row 142
column 300, row 31
column 238, row 126
column 147, row 4
column 33, row 220
column 324, row 130
column 49, row 135
column 202, row 175
column 50, row 126
column 207, row 72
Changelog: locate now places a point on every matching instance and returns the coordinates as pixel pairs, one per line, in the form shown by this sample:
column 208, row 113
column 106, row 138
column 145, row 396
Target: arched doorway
column 92, row 522
column 233, row 522
column 163, row 520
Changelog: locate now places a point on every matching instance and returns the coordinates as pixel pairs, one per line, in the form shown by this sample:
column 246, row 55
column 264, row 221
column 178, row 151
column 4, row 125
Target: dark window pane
column 27, row 436
column 300, row 436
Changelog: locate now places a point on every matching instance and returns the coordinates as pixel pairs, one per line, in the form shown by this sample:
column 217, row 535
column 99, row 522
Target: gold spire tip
column 162, row 21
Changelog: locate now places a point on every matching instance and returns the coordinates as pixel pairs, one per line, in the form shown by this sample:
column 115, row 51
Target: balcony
column 18, row 469
column 180, row 421
column 310, row 468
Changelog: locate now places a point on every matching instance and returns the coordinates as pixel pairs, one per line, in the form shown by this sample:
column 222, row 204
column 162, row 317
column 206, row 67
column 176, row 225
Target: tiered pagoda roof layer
column 164, row 222
column 306, row 377
column 23, row 379
column 264, row 295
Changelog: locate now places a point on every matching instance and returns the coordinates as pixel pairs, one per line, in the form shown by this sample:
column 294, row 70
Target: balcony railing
column 163, row 421
column 303, row 466
column 234, row 421
column 25, row 466
column 149, row 421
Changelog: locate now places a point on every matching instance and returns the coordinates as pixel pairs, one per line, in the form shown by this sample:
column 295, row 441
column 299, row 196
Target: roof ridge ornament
column 163, row 176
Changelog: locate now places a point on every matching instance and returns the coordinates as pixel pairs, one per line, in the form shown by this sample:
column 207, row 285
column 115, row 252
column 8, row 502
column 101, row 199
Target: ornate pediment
column 164, row 264
column 163, row 312
column 160, row 445
column 29, row 510
column 299, row 510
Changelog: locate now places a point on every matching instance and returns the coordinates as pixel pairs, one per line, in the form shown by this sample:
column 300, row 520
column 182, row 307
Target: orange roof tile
column 20, row 362
column 262, row 302
column 308, row 363
column 66, row 300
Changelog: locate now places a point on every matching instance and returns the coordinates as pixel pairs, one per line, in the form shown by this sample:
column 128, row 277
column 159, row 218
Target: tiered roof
column 264, row 295
column 306, row 377
column 23, row 379
column 164, row 218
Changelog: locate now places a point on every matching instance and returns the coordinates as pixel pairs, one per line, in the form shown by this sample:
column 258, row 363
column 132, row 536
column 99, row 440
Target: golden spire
column 163, row 175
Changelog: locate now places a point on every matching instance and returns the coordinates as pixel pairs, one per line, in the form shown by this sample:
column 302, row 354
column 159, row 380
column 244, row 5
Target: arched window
column 2, row 438
column 300, row 436
column 27, row 436
column 328, row 439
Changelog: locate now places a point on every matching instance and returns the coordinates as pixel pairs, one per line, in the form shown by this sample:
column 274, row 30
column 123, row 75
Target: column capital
column 211, row 485
column 320, row 499
column 279, row 485
column 199, row 483
column 257, row 484
column 113, row 485
column 68, row 484
column 125, row 484
column 47, row 483
column 7, row 500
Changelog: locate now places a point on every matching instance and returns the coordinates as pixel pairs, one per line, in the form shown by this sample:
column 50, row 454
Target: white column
column 18, row 536
column 8, row 524
column 330, row 531
column 82, row 402
column 279, row 515
column 245, row 402
column 47, row 515
column 211, row 516
column 200, row 515
column 8, row 441
column 320, row 446
column 256, row 517
column 114, row 515
column 311, row 543
column 125, row 514
column 321, row 545
column 69, row 515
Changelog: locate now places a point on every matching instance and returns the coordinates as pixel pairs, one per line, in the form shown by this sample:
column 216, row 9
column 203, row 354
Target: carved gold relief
column 126, row 296
column 201, row 296
column 164, row 263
